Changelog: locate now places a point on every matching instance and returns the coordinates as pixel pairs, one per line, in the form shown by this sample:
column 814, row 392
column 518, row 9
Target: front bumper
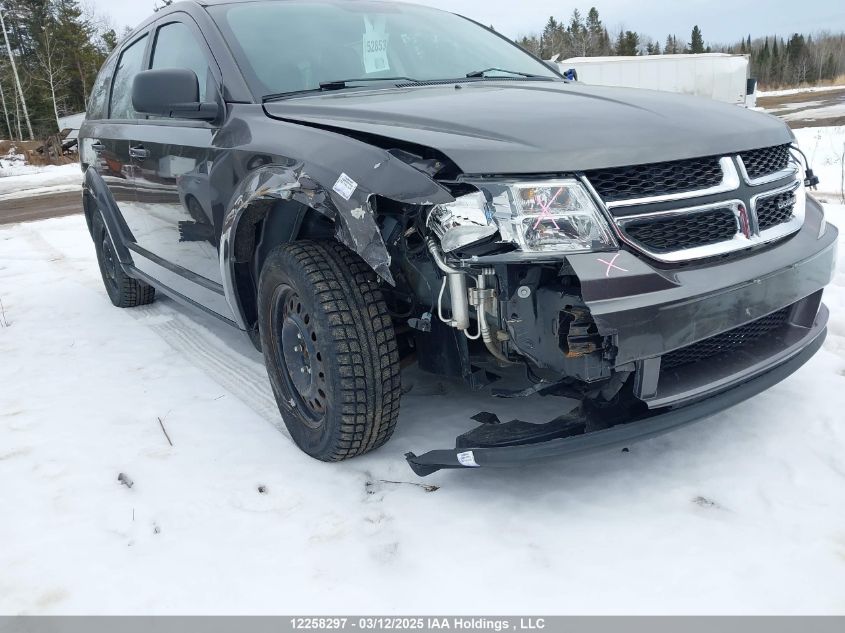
column 645, row 312
column 655, row 422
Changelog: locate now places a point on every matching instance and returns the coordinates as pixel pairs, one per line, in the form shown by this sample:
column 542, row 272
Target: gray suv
column 360, row 186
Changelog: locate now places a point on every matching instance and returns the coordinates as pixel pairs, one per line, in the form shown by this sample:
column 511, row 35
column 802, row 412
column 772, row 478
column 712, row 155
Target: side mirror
column 173, row 93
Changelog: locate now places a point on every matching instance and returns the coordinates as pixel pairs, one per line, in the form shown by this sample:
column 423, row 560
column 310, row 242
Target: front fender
column 340, row 191
column 96, row 190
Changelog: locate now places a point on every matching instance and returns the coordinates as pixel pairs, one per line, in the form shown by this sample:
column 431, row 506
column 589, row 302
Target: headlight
column 552, row 216
column 540, row 216
column 463, row 222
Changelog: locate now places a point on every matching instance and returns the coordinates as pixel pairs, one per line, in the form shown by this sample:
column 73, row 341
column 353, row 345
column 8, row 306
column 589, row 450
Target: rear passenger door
column 173, row 159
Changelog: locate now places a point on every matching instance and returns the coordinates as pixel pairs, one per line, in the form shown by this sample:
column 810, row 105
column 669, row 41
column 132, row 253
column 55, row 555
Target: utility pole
column 17, row 77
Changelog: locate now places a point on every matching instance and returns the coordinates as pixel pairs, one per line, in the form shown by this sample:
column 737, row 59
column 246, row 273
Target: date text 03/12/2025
column 419, row 623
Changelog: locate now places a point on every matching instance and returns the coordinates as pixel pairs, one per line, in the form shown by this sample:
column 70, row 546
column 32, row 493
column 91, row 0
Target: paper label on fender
column 376, row 42
column 467, row 459
column 345, row 187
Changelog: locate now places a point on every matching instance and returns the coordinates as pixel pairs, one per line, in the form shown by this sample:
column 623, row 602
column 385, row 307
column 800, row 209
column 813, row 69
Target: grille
column 762, row 162
column 725, row 343
column 673, row 233
column 656, row 179
column 775, row 210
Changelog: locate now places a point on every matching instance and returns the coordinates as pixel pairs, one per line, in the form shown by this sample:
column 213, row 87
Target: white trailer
column 718, row 76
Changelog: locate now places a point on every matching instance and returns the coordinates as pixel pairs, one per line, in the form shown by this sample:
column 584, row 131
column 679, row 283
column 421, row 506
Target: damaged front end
column 501, row 252
column 537, row 297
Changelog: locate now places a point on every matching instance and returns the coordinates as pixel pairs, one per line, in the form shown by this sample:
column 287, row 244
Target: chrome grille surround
column 794, row 223
column 730, row 182
column 790, row 169
column 736, row 192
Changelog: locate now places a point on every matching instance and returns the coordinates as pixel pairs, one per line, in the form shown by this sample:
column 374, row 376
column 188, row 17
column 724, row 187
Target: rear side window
column 129, row 65
column 176, row 47
column 98, row 105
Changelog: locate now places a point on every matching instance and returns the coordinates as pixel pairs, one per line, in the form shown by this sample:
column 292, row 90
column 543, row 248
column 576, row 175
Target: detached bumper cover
column 655, row 422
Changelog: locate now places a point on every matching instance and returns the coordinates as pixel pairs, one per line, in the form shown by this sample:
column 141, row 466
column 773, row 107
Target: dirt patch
column 798, row 97
column 808, row 109
column 29, row 149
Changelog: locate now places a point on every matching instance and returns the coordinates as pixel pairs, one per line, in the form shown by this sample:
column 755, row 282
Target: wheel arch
column 96, row 197
column 263, row 226
column 283, row 198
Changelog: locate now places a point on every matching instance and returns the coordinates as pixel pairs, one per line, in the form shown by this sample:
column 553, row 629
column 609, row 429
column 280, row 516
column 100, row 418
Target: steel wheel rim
column 109, row 261
column 299, row 357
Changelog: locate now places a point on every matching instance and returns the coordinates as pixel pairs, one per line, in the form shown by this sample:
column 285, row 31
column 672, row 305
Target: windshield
column 293, row 46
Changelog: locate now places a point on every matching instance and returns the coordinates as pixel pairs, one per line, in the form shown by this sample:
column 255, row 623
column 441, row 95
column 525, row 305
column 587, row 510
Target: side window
column 98, row 104
column 176, row 47
column 129, row 65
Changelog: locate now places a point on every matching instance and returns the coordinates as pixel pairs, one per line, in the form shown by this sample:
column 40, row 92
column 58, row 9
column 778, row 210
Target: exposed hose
column 457, row 280
column 483, row 326
column 438, row 258
column 460, row 302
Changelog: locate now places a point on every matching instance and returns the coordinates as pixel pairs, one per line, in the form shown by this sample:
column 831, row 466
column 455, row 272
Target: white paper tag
column 376, row 42
column 345, row 187
column 467, row 459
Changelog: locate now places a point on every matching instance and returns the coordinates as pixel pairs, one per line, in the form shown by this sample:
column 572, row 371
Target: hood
column 491, row 127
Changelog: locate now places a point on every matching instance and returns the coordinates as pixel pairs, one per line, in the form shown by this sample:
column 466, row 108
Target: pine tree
column 550, row 40
column 696, row 41
column 577, row 35
column 110, row 40
column 628, row 43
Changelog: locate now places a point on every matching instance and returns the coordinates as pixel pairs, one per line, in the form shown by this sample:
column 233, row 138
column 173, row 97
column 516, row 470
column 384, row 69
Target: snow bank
column 18, row 181
column 742, row 513
column 795, row 91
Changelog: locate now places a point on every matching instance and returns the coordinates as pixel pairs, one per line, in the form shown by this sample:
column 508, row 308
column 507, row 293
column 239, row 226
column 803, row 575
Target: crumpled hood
column 498, row 127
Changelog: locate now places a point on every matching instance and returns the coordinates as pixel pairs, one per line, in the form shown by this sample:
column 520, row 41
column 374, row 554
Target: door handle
column 98, row 147
column 138, row 152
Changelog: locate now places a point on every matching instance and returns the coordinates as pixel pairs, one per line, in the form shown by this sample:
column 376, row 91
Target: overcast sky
column 720, row 20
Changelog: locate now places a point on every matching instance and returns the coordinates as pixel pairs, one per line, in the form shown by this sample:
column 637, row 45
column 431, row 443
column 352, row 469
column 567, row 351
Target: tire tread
column 367, row 355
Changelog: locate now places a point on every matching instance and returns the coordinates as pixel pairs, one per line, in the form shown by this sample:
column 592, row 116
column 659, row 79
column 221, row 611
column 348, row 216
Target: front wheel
column 330, row 349
column 123, row 290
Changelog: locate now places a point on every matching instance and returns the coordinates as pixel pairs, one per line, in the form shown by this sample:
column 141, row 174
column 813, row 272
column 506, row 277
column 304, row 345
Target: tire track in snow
column 236, row 373
column 243, row 378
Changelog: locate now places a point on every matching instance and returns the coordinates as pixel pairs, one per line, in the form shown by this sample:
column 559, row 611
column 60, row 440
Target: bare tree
column 50, row 65
column 17, row 77
column 6, row 112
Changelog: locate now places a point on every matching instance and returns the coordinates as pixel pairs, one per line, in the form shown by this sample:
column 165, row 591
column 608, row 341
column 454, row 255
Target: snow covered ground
column 825, row 149
column 742, row 513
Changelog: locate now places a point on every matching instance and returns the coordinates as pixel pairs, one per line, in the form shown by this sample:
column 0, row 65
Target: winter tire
column 330, row 349
column 123, row 290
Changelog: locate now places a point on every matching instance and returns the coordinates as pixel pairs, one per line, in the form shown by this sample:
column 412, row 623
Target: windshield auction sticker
column 376, row 41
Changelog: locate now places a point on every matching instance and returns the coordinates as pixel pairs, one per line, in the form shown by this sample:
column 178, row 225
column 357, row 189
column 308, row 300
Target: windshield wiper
column 326, row 86
column 481, row 73
column 344, row 83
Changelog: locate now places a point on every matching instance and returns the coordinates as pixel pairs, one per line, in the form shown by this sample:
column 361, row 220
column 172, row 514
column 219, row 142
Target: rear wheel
column 330, row 349
column 123, row 290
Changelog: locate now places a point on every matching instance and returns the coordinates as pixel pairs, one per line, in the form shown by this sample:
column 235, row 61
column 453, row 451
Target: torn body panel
column 335, row 176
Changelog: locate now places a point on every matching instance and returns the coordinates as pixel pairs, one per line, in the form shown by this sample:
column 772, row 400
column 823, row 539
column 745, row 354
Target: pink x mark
column 545, row 213
column 612, row 264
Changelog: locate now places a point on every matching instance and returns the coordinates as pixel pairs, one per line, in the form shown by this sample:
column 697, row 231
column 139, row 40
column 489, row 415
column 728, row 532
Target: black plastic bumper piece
column 655, row 423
